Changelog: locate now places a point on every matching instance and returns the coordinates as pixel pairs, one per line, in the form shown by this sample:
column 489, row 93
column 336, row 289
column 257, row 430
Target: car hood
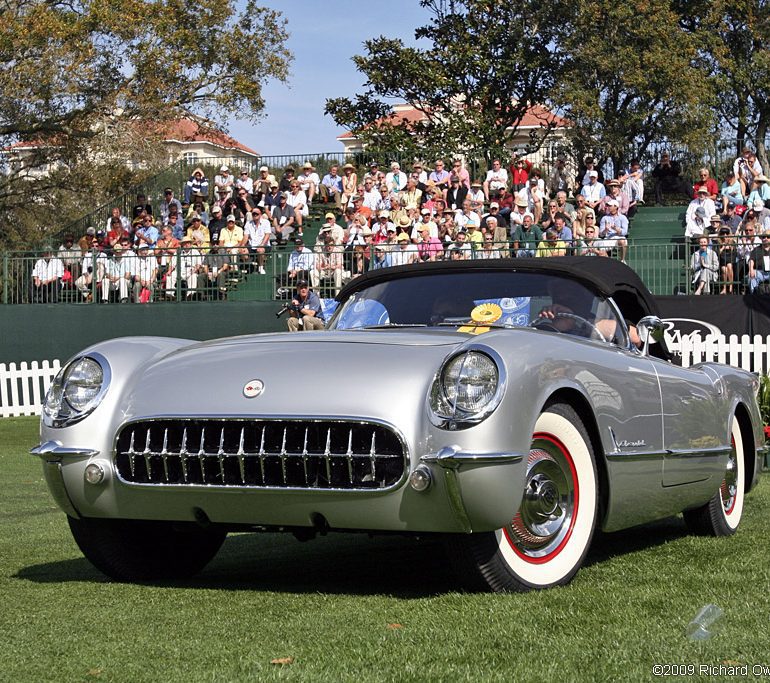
column 375, row 373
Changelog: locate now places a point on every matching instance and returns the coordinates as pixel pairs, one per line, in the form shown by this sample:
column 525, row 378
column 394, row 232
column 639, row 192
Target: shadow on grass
column 345, row 563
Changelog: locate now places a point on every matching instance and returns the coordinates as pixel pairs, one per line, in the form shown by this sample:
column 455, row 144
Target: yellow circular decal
column 486, row 313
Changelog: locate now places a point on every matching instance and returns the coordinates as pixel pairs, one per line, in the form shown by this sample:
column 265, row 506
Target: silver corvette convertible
column 512, row 406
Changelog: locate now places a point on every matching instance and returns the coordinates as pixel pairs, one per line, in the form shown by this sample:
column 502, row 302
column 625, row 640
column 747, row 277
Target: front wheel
column 137, row 550
column 722, row 514
column 548, row 537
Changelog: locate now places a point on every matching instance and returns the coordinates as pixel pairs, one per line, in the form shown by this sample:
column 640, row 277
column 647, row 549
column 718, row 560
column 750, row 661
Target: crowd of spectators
column 379, row 217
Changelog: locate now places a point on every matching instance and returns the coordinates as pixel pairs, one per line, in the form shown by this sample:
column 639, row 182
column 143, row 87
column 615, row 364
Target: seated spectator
column 760, row 190
column 273, row 196
column 405, row 253
column 233, row 241
column 467, row 216
column 419, row 172
column 705, row 180
column 198, row 208
column 496, row 179
column 746, row 168
column 439, row 175
column 198, row 234
column 667, row 175
column 489, row 250
column 47, row 274
column 349, row 184
column 309, row 315
column 613, row 230
column 747, row 240
column 264, row 181
column 331, row 187
column 140, row 206
column 588, row 167
column 196, row 185
column 175, row 221
column 297, row 200
column 429, row 247
column 91, row 270
column 699, row 213
column 84, row 243
column 564, row 206
column 381, row 257
column 309, row 181
column 461, row 249
column 116, row 231
column 705, row 267
column 549, row 215
column 551, row 245
column 476, row 196
column 117, row 276
column 284, row 184
column 283, row 218
column 534, row 198
column 166, row 254
column 244, row 182
column 243, row 204
column 730, row 218
column 614, row 192
column 559, row 180
column 224, row 183
column 593, row 191
column 590, row 245
column 359, row 264
column 519, row 173
column 456, row 194
column 526, row 237
column 115, row 213
column 167, row 202
column 217, row 223
column 258, row 233
column 216, row 268
column 461, row 172
column 564, row 231
column 731, row 191
column 497, row 232
column 146, row 233
column 635, row 177
column 395, row 179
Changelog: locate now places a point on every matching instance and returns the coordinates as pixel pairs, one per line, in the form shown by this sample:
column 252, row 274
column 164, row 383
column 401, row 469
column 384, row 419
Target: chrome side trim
column 670, row 452
column 451, row 457
column 456, row 500
column 56, row 449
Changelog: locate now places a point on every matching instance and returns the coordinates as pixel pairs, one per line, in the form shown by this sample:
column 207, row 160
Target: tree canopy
column 75, row 71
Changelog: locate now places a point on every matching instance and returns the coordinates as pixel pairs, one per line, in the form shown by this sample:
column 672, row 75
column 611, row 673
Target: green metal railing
column 663, row 266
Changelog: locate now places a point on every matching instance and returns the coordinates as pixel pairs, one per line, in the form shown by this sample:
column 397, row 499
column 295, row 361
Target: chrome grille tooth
column 261, row 455
column 147, row 453
column 221, row 454
column 327, row 456
column 240, row 454
column 183, row 455
column 132, row 454
column 304, row 457
column 349, row 455
column 283, row 456
column 164, row 454
column 202, row 455
column 373, row 455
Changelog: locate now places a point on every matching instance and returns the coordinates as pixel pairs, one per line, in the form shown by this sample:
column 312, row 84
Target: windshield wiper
column 470, row 323
column 386, row 326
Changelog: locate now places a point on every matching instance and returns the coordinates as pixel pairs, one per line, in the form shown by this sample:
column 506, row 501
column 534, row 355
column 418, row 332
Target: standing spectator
column 727, row 259
column 223, row 182
column 167, row 202
column 46, row 278
column 331, row 187
column 117, row 275
column 197, row 184
column 216, row 267
column 667, row 175
column 635, row 177
column 309, row 181
column 705, row 266
column 520, row 169
column 70, row 256
column 496, row 179
column 145, row 277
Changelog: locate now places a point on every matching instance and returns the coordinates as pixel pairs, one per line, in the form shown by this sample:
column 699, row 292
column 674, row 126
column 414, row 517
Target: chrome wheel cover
column 729, row 488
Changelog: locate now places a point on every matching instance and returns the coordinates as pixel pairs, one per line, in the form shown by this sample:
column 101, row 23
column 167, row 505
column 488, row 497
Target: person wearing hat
column 404, row 253
column 284, row 219
column 395, row 179
column 263, row 182
column 284, row 184
column 551, row 245
column 593, row 190
column 309, row 181
column 197, row 184
column 705, row 180
column 223, row 181
column 327, row 264
column 760, row 191
column 419, row 172
column 167, row 202
column 273, row 196
column 613, row 229
column 331, row 186
column 613, row 188
column 244, row 182
column 198, row 233
column 217, row 222
column 519, row 170
column 374, row 174
column 584, row 172
column 331, row 229
column 215, row 270
column 145, row 272
column 258, row 233
column 381, row 257
column 667, row 175
column 457, row 192
column 429, row 247
column 349, row 183
column 426, row 219
column 305, row 312
column 699, row 213
column 727, row 253
column 46, row 277
column 731, row 192
column 117, row 275
column 381, row 226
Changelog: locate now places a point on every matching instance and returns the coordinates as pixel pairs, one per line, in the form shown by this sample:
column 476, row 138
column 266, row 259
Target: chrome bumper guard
column 52, row 453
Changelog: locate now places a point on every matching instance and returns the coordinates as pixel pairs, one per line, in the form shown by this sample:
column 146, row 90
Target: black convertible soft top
column 605, row 275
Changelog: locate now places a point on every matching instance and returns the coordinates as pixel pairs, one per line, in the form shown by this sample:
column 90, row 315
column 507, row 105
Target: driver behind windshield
column 572, row 312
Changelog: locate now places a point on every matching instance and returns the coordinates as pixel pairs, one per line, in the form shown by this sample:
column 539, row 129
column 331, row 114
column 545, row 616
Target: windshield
column 549, row 301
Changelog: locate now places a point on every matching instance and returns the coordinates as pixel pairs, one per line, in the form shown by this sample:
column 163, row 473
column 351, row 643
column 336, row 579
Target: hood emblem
column 253, row 388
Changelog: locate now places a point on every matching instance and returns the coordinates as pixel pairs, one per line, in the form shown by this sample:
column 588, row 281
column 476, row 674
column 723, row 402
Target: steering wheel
column 547, row 323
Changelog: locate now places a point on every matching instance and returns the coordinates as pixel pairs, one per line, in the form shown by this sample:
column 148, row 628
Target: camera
column 286, row 308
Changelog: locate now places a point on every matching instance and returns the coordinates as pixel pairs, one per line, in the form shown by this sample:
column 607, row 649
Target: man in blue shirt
column 331, row 186
column 306, row 313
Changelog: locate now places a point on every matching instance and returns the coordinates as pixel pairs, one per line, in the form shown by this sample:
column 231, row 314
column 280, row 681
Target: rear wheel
column 137, row 550
column 547, row 539
column 722, row 514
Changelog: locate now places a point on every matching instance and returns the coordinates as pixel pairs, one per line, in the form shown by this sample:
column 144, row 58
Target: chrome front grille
column 305, row 454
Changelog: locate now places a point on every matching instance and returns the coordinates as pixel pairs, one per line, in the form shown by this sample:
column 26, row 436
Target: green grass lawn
column 351, row 608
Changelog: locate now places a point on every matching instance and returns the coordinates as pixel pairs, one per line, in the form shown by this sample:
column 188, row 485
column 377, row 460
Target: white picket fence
column 23, row 386
column 749, row 353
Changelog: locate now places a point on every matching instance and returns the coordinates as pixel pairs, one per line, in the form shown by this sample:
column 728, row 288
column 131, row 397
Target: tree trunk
column 740, row 137
column 762, row 126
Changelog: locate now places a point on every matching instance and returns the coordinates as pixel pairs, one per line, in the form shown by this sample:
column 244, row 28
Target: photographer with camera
column 305, row 310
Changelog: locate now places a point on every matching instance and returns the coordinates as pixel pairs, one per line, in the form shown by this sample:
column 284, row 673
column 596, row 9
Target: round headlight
column 76, row 391
column 82, row 383
column 467, row 389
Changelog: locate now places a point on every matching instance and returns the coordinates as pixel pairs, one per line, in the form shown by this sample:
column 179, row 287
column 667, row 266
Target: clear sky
column 323, row 45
